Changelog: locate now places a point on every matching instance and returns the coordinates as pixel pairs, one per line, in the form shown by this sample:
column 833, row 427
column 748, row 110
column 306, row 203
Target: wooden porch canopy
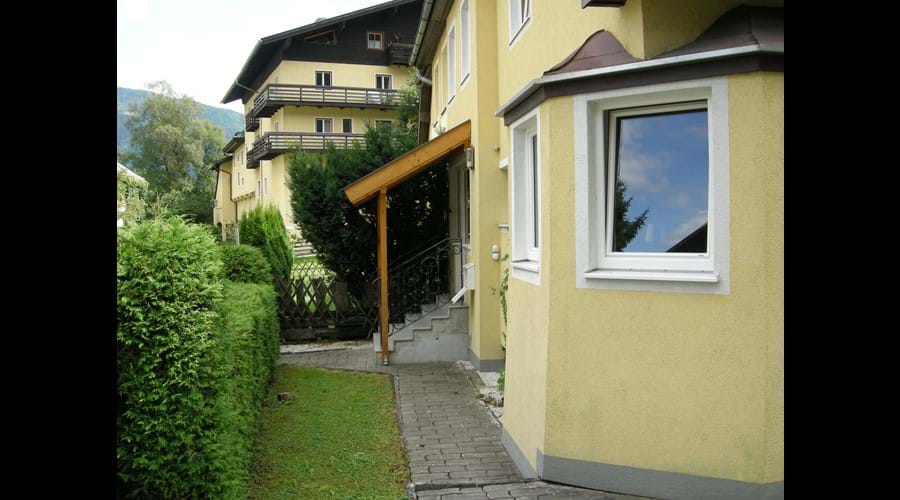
column 390, row 175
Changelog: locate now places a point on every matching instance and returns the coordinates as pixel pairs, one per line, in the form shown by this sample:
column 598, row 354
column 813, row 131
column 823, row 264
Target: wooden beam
column 383, row 273
column 402, row 168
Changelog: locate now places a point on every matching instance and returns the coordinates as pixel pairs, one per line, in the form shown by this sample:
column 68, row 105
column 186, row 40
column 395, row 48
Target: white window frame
column 380, row 40
column 390, row 80
column 596, row 266
column 322, row 72
column 323, row 119
column 526, row 188
column 450, row 48
column 518, row 21
column 465, row 41
column 342, row 125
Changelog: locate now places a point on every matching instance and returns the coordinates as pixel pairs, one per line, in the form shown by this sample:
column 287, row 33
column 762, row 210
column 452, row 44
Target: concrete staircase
column 438, row 333
column 302, row 248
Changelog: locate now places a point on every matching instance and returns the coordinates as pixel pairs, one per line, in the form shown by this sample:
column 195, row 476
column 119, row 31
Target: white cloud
column 682, row 200
column 687, row 227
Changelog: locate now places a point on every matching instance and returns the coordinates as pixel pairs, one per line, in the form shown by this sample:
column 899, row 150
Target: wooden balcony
column 399, row 53
column 251, row 122
column 274, row 96
column 273, row 144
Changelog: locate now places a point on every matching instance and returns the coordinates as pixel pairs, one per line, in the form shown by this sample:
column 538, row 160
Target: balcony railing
column 273, row 144
column 399, row 53
column 251, row 122
column 275, row 96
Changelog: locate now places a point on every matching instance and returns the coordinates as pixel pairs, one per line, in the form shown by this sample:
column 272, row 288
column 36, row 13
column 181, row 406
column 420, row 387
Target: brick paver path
column 451, row 440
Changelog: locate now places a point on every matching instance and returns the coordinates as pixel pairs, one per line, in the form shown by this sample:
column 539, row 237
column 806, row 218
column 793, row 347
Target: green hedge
column 249, row 351
column 246, row 264
column 195, row 353
column 263, row 228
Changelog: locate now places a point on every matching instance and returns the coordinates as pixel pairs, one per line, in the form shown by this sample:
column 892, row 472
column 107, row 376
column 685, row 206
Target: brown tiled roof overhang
column 740, row 27
column 218, row 163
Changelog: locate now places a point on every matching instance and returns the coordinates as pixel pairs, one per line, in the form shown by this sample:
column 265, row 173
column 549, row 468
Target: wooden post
column 383, row 273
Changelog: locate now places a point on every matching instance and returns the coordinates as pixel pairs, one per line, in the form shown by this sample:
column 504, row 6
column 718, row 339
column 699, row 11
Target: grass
column 338, row 438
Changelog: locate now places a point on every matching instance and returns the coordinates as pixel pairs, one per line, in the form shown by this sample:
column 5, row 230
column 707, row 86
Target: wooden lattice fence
column 312, row 303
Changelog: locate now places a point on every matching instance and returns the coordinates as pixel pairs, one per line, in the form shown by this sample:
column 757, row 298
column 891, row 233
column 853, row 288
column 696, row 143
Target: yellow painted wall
column 476, row 100
column 303, row 119
column 688, row 383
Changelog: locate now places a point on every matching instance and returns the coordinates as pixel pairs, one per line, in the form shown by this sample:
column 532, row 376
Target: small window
column 275, row 126
column 347, row 125
column 266, row 185
column 323, row 78
column 324, row 125
column 519, row 14
column 375, row 41
column 382, row 124
column 526, row 198
column 451, row 64
column 258, row 189
column 464, row 40
column 383, row 82
column 326, row 38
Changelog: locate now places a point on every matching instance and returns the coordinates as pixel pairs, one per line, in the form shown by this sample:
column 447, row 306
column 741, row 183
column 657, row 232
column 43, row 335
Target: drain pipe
column 423, row 24
column 422, row 78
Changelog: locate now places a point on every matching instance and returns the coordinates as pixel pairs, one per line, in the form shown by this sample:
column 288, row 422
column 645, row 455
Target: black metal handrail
column 421, row 280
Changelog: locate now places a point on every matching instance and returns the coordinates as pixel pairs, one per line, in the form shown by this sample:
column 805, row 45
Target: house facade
column 624, row 162
column 310, row 86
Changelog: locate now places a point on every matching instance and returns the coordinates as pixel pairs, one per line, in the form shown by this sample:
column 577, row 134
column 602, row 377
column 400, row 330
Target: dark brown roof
column 738, row 27
column 599, row 50
column 235, row 141
column 744, row 25
column 218, row 163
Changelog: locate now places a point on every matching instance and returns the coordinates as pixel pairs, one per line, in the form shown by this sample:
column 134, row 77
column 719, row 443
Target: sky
column 199, row 46
column 664, row 164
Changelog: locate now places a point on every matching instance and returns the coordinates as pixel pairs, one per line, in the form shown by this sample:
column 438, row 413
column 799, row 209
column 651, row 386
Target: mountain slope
column 229, row 120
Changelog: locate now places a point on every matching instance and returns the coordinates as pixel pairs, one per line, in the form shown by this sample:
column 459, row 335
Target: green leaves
column 246, row 264
column 194, row 356
column 263, row 228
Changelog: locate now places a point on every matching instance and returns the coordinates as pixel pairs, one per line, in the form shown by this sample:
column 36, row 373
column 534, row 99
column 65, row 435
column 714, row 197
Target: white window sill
column 684, row 276
column 527, row 271
column 527, row 265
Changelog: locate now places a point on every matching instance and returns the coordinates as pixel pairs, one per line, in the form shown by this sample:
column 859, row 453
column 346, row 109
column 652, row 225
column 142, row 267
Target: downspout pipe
column 422, row 78
column 423, row 25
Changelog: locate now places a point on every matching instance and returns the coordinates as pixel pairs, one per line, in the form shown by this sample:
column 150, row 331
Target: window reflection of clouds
column 664, row 162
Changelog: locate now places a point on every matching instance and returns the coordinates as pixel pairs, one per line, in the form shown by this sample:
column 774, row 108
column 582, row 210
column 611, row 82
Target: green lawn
column 337, row 439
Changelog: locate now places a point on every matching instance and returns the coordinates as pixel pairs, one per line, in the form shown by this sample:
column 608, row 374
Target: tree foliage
column 173, row 150
column 625, row 230
column 263, row 228
column 344, row 236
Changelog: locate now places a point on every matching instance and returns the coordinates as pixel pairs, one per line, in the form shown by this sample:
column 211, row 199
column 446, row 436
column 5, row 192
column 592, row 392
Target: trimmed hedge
column 249, row 351
column 169, row 282
column 195, row 353
column 246, row 264
column 263, row 228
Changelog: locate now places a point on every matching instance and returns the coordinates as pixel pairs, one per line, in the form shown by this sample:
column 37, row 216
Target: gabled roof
column 218, row 163
column 129, row 172
column 268, row 46
column 235, row 141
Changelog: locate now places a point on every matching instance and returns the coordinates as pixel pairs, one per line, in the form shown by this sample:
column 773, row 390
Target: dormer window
column 376, row 41
column 326, row 38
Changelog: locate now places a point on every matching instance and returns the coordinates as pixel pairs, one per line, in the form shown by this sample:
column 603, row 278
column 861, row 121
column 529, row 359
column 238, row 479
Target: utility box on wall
column 469, row 276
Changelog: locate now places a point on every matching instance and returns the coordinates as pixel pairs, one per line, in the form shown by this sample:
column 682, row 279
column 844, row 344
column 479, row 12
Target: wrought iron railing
column 422, row 283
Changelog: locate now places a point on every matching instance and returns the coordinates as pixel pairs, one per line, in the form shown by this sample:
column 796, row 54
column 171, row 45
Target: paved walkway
column 451, row 440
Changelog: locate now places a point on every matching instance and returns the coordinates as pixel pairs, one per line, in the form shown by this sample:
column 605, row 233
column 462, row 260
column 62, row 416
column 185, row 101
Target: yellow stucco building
column 306, row 87
column 627, row 156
